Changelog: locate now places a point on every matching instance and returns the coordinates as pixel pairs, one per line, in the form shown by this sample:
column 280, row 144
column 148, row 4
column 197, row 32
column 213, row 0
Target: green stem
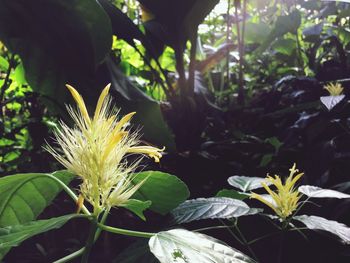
column 125, row 232
column 90, row 241
column 245, row 242
column 211, row 228
column 231, row 232
column 71, row 256
column 82, row 250
column 68, row 191
column 102, row 221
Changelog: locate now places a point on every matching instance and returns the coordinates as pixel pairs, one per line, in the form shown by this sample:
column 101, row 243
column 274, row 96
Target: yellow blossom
column 95, row 150
column 285, row 200
column 334, row 89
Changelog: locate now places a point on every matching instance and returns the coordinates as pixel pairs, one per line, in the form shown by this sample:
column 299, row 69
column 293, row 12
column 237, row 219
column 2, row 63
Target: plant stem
column 245, row 242
column 231, row 232
column 68, row 191
column 228, row 30
column 102, row 221
column 90, row 241
column 299, row 57
column 71, row 256
column 192, row 66
column 82, row 250
column 211, row 228
column 125, row 232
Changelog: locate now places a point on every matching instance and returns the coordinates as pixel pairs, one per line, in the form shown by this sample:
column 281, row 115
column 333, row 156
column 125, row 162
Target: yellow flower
column 334, row 89
column 94, row 149
column 285, row 200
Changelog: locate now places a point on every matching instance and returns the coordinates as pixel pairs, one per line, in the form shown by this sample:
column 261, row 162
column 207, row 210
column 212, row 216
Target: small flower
column 94, row 149
column 334, row 89
column 285, row 200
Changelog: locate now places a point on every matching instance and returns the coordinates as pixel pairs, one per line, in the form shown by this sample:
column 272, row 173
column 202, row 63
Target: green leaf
column 4, row 64
column 317, row 192
column 256, row 32
column 214, row 207
column 285, row 46
column 12, row 236
column 24, row 196
column 245, row 183
column 284, row 24
column 266, row 159
column 232, row 194
column 180, row 245
column 58, row 41
column 165, row 191
column 177, row 20
column 137, row 207
column 320, row 223
column 149, row 115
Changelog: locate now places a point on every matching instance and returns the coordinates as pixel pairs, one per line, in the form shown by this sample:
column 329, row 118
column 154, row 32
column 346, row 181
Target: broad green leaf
column 266, row 159
column 232, row 194
column 284, row 24
column 177, row 19
column 313, row 33
column 137, row 207
column 245, row 183
column 165, row 191
column 58, row 42
column 149, row 115
column 285, row 46
column 256, row 32
column 317, row 192
column 4, row 64
column 204, row 208
column 320, row 223
column 12, row 236
column 24, row 196
column 180, row 245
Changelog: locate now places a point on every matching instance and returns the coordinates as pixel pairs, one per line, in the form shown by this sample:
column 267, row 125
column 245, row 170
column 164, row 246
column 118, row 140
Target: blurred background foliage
column 229, row 87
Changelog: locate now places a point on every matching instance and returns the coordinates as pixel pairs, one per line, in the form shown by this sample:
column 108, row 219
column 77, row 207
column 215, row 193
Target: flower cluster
column 334, row 89
column 95, row 150
column 285, row 200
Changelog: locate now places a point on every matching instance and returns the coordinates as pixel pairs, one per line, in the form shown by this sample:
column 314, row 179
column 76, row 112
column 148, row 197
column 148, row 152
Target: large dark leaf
column 12, row 236
column 24, row 196
column 178, row 19
column 59, row 41
column 149, row 116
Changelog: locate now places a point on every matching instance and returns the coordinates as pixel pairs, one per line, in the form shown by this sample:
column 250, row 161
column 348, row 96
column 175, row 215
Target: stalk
column 90, row 241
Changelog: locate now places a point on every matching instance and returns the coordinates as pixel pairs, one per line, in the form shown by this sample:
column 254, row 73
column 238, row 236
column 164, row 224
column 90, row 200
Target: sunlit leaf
column 320, row 223
column 245, row 183
column 331, row 101
column 317, row 192
column 179, row 245
column 214, row 207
